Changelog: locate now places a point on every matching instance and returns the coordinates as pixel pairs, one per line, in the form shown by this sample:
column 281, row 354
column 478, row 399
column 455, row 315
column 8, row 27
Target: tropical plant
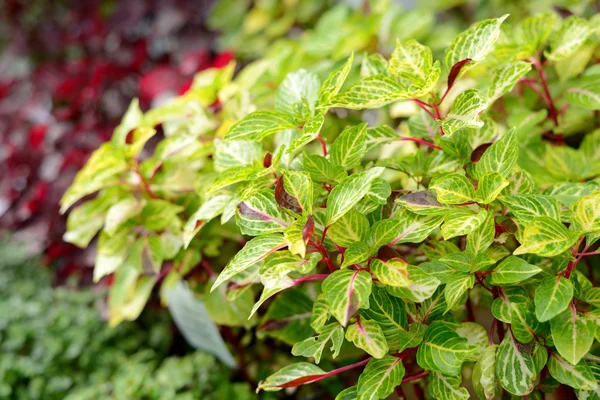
column 438, row 235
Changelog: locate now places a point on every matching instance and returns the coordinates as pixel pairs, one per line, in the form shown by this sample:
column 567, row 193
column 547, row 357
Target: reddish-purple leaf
column 455, row 71
column 284, row 199
column 309, row 229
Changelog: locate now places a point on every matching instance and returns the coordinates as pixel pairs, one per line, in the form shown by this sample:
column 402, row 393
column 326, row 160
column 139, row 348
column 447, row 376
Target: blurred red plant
column 65, row 82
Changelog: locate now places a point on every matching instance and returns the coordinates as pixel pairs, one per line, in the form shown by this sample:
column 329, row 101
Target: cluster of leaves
column 55, row 345
column 69, row 71
column 467, row 193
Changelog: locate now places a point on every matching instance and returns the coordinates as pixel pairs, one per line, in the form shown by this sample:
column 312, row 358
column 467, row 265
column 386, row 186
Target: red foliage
column 65, row 83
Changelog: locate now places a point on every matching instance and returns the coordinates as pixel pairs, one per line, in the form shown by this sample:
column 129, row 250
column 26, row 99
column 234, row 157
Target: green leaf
column 447, row 387
column 351, row 227
column 102, row 169
column 314, row 346
column 500, row 157
column 356, row 253
column 379, row 191
column 405, row 227
column 350, row 393
column 371, row 92
column 300, row 187
column 421, row 288
column 513, row 270
column 475, row 43
column 585, row 92
column 349, row 148
column 456, row 289
column 120, row 212
column 321, row 169
column 234, row 175
column 236, row 153
column 503, row 305
column 573, row 334
column 461, row 222
column 586, row 213
column 288, row 317
column 527, row 207
column 297, row 87
column 309, row 132
column 275, row 269
column 588, row 394
column 389, row 313
column 132, row 119
column 505, row 78
column 368, row 336
column 207, row 211
column 260, row 124
column 254, row 251
column 423, row 203
column 523, row 322
column 223, row 311
column 260, row 214
column 320, row 313
column 453, row 189
column 380, row 377
column 333, row 84
column 86, row 220
column 194, row 323
column 443, row 350
column 552, row 297
column 464, row 112
column 481, row 238
column 380, row 135
column 490, row 186
column 412, row 62
column 578, row 376
column 346, row 291
column 112, row 252
column 573, row 32
column 515, row 369
column 484, row 375
column 545, row 237
column 290, row 376
column 349, row 192
column 392, row 272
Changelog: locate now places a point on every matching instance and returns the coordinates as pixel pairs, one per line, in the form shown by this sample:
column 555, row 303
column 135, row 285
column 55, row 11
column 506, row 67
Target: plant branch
column 315, row 378
column 315, row 277
column 324, row 253
column 323, row 145
column 415, row 377
column 421, row 141
column 544, row 82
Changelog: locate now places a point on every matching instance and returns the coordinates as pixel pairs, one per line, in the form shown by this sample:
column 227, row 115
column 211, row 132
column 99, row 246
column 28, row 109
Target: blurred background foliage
column 56, row 345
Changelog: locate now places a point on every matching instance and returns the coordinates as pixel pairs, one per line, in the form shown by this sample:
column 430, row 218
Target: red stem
column 315, row 378
column 424, row 106
column 491, row 333
column 324, row 253
column 590, row 253
column 415, row 377
column 145, row 183
column 204, row 264
column 573, row 264
column 323, row 145
column 543, row 80
column 421, row 141
column 315, row 277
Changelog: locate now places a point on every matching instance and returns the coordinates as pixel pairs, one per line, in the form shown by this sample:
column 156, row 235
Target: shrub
column 440, row 235
column 55, row 345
